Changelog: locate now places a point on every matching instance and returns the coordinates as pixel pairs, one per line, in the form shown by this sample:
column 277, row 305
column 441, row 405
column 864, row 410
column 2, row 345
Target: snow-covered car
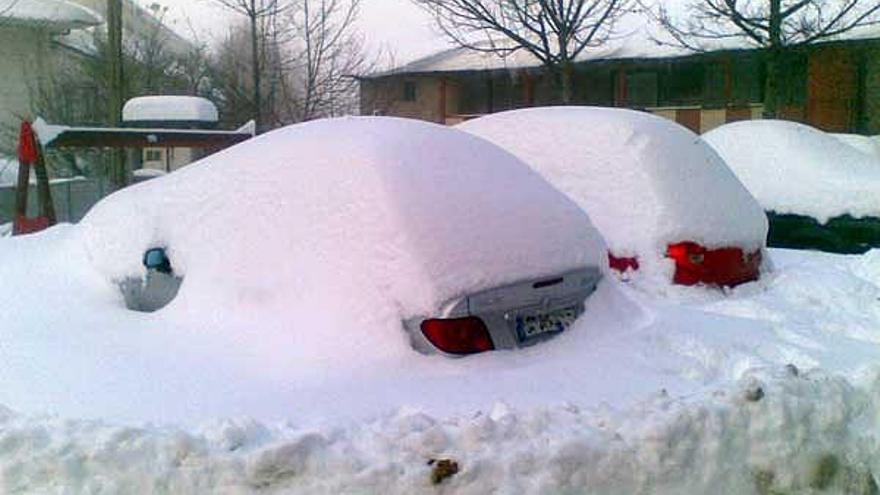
column 665, row 203
column 355, row 220
column 870, row 145
column 820, row 191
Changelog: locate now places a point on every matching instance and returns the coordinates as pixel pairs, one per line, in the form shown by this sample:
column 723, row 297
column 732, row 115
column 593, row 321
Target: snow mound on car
column 870, row 145
column 350, row 224
column 645, row 181
column 794, row 168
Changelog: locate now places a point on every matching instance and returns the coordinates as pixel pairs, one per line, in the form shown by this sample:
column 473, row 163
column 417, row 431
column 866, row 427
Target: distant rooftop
column 636, row 43
column 55, row 15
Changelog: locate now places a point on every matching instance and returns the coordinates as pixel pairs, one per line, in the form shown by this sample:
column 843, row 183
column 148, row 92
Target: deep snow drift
column 646, row 182
column 773, row 387
column 794, row 168
column 255, row 379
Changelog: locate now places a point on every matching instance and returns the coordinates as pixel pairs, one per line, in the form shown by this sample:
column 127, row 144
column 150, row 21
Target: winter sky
column 396, row 25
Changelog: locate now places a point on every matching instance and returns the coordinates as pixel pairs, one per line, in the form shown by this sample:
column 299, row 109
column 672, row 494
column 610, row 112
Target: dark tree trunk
column 255, row 61
column 774, row 61
column 566, row 83
column 118, row 172
column 771, row 84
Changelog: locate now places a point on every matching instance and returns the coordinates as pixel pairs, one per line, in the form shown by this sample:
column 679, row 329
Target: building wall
column 869, row 119
column 833, row 87
column 431, row 98
column 24, row 59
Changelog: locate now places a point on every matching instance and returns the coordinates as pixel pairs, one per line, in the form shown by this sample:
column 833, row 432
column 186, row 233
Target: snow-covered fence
column 72, row 198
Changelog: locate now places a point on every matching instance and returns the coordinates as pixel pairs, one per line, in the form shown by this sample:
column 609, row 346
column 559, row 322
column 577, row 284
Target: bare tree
column 256, row 11
column 6, row 7
column 325, row 54
column 309, row 58
column 556, row 32
column 775, row 26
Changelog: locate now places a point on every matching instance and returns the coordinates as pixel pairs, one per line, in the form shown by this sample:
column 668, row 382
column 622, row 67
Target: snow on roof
column 169, row 108
column 637, row 41
column 341, row 226
column 645, row 181
column 794, row 168
column 57, row 15
column 462, row 59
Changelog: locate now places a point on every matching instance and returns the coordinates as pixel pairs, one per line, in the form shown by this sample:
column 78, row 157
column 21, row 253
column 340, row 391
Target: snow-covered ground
column 282, row 364
column 646, row 394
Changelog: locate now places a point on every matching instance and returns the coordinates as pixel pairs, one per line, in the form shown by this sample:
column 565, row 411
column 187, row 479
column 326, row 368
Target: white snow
column 642, row 396
column 148, row 173
column 8, row 172
column 645, row 182
column 46, row 132
column 169, row 108
column 256, row 380
column 58, row 15
column 794, row 168
column 870, row 145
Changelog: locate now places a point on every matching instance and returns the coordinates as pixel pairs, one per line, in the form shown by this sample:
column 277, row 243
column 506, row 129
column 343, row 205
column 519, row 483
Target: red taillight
column 622, row 264
column 458, row 335
column 728, row 267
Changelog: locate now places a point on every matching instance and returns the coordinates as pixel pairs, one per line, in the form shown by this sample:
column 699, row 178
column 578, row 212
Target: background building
column 834, row 86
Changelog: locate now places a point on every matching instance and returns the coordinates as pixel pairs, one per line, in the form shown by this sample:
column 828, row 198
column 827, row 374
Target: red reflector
column 27, row 149
column 728, row 267
column 458, row 335
column 622, row 264
column 24, row 225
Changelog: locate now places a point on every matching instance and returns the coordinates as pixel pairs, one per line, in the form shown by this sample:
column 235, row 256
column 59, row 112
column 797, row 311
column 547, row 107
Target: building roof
column 638, row 42
column 55, row 15
column 136, row 21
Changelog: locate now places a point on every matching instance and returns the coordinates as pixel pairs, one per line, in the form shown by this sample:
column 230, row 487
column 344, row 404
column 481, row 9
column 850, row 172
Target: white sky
column 396, row 25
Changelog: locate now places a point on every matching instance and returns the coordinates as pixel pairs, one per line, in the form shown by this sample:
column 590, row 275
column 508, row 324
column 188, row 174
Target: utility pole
column 118, row 172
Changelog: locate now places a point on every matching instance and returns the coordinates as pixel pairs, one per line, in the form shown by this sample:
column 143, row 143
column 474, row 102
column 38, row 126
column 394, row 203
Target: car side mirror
column 155, row 259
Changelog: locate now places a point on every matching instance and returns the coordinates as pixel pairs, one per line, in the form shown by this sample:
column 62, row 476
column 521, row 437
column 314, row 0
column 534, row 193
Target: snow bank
column 806, row 431
column 869, row 145
column 794, row 168
column 169, row 108
column 644, row 181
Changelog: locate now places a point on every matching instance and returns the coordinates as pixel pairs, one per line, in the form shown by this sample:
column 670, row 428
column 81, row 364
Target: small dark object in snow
column 754, row 393
column 792, row 369
column 443, row 468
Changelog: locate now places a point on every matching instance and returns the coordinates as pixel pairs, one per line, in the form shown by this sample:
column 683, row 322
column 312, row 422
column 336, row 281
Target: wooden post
column 44, row 191
column 442, row 104
column 118, row 172
column 621, row 96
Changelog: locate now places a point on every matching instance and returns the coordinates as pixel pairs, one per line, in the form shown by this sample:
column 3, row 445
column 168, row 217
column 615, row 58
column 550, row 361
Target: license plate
column 531, row 326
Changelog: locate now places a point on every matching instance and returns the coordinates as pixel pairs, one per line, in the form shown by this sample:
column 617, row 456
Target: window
column 153, row 156
column 715, row 84
column 683, row 83
column 745, row 80
column 641, row 89
column 409, row 91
